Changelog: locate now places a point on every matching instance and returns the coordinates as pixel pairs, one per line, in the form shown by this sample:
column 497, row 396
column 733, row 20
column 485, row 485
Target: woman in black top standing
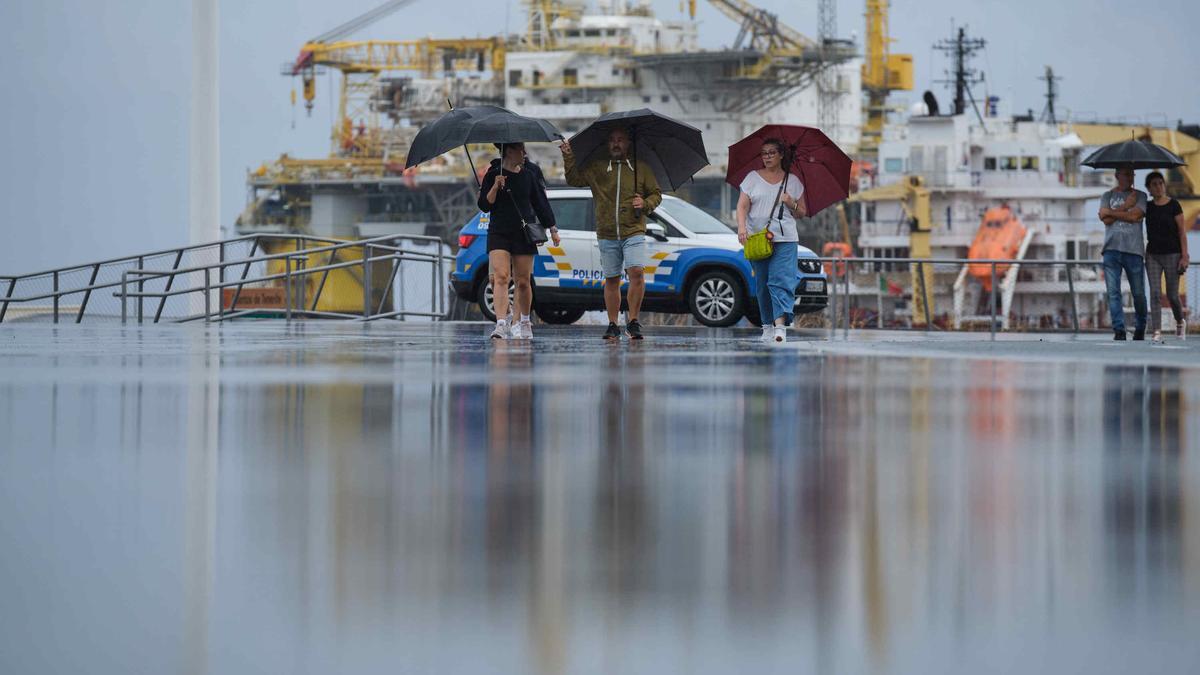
column 1166, row 253
column 513, row 189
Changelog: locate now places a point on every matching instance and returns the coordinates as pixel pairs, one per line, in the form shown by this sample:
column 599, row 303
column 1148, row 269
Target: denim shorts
column 617, row 256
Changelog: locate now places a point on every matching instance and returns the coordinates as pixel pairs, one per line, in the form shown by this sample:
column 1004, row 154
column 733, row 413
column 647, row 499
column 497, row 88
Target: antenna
column 1051, row 81
column 961, row 50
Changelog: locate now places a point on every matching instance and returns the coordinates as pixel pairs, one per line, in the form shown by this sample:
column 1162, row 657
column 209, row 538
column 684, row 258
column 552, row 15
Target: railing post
column 992, row 323
column 12, row 284
column 141, row 286
column 833, row 305
column 287, row 287
column 162, row 303
column 1074, row 304
column 366, row 279
column 55, row 296
column 207, row 296
column 245, row 270
column 846, row 299
column 88, row 294
column 124, row 279
column 302, row 289
column 924, row 294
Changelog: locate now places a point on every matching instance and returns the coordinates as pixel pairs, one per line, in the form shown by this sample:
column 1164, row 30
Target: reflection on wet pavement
column 405, row 498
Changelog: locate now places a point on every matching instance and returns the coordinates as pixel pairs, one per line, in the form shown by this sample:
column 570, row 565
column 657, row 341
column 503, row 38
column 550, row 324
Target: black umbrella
column 476, row 124
column 1133, row 154
column 672, row 149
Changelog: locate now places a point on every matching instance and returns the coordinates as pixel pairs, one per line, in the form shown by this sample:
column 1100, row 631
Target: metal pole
column 124, row 278
column 993, row 302
column 141, row 286
column 221, row 280
column 287, row 288
column 833, row 306
column 87, row 295
column 12, row 284
column 846, row 299
column 207, row 296
column 301, row 265
column 924, row 294
column 1071, row 286
column 170, row 282
column 56, row 296
column 366, row 278
column 879, row 302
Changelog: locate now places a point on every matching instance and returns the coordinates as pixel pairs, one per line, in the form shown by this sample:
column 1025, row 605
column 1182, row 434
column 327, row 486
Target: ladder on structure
column 285, row 275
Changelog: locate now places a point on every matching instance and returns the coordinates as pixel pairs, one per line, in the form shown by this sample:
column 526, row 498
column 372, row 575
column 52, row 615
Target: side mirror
column 656, row 232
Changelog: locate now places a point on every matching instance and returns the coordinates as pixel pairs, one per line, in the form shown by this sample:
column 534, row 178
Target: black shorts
column 513, row 242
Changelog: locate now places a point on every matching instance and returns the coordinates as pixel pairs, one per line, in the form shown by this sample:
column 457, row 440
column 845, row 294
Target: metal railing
column 202, row 269
column 840, row 294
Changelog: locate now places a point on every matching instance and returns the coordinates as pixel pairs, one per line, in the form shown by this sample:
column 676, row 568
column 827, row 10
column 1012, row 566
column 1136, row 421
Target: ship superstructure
column 572, row 63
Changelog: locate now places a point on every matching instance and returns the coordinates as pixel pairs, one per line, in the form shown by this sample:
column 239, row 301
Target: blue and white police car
column 696, row 265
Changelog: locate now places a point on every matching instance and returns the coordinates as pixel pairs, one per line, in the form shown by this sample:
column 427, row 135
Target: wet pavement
column 410, row 498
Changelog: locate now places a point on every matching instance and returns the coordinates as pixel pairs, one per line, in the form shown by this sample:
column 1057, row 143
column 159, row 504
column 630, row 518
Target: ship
column 571, row 64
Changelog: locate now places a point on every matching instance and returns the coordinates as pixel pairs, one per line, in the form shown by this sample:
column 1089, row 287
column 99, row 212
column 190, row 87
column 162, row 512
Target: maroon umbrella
column 819, row 164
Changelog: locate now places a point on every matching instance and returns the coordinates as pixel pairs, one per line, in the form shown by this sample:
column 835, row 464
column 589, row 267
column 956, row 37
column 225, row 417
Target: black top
column 1162, row 232
column 527, row 188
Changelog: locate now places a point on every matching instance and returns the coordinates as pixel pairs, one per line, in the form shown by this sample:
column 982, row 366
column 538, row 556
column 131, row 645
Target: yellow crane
column 914, row 199
column 356, row 132
column 882, row 73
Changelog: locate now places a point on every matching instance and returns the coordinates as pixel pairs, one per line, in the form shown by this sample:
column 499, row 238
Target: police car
column 696, row 266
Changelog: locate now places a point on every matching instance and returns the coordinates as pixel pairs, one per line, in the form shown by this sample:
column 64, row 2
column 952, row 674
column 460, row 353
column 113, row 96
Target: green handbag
column 758, row 245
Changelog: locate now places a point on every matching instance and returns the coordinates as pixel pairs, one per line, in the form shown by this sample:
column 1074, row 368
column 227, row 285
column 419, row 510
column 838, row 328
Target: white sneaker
column 780, row 333
column 500, row 332
column 1156, row 337
column 523, row 331
column 768, row 333
column 1181, row 330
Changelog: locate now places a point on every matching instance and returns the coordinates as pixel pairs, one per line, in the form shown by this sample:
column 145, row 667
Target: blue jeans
column 775, row 283
column 1135, row 269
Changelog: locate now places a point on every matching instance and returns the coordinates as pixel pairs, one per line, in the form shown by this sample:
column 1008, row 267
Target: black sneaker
column 1139, row 334
column 1119, row 335
column 634, row 328
column 613, row 333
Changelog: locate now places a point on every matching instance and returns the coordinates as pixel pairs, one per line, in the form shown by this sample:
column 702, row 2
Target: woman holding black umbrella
column 770, row 201
column 513, row 191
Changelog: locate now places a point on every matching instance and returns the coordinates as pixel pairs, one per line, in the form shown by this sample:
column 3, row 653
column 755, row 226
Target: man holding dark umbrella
column 623, row 193
column 1121, row 211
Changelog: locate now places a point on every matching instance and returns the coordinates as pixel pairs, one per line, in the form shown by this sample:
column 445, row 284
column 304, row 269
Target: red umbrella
column 819, row 164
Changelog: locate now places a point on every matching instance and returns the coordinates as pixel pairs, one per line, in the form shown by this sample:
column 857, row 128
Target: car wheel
column 559, row 316
column 483, row 297
column 716, row 299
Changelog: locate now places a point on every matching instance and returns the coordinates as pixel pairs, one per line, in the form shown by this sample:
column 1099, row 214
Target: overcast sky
column 94, row 121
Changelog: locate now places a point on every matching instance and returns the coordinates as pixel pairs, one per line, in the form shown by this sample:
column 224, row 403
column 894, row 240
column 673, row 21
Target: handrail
column 194, row 247
column 228, row 263
column 396, row 254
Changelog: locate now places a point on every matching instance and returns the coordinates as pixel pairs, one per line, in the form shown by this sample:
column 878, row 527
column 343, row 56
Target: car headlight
column 809, row 266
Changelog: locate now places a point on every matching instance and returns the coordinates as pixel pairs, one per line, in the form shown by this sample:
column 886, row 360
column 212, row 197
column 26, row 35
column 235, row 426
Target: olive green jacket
column 613, row 208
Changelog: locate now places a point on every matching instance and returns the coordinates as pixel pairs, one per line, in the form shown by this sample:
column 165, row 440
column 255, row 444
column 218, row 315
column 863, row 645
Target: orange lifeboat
column 835, row 249
column 999, row 238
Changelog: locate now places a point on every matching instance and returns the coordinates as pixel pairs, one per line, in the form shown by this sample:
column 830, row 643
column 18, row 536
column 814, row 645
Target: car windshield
column 693, row 218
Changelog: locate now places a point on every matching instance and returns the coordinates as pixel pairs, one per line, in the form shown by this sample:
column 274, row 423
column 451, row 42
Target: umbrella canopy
column 1134, row 154
column 819, row 164
column 673, row 150
column 476, row 124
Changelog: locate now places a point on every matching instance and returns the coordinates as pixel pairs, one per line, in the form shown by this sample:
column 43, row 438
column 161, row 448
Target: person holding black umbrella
column 624, row 190
column 513, row 191
column 1122, row 210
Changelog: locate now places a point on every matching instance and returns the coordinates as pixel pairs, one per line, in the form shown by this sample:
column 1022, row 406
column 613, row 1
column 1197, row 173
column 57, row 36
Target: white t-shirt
column 762, row 197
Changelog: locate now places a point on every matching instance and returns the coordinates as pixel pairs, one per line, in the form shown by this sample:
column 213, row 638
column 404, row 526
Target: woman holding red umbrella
column 784, row 172
column 770, row 201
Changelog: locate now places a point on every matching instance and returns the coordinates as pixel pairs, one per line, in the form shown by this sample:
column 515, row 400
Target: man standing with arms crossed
column 621, row 208
column 1121, row 211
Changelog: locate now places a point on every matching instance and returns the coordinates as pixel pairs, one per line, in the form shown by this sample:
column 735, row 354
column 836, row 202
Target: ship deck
column 335, row 497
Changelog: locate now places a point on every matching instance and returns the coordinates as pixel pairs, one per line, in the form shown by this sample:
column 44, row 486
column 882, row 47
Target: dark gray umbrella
column 1133, row 154
column 672, row 149
column 476, row 124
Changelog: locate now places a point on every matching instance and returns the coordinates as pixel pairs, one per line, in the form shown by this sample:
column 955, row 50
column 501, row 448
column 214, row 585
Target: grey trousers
column 1156, row 266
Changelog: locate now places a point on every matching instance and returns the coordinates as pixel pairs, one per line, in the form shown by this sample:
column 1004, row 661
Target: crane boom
column 362, row 21
column 764, row 28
